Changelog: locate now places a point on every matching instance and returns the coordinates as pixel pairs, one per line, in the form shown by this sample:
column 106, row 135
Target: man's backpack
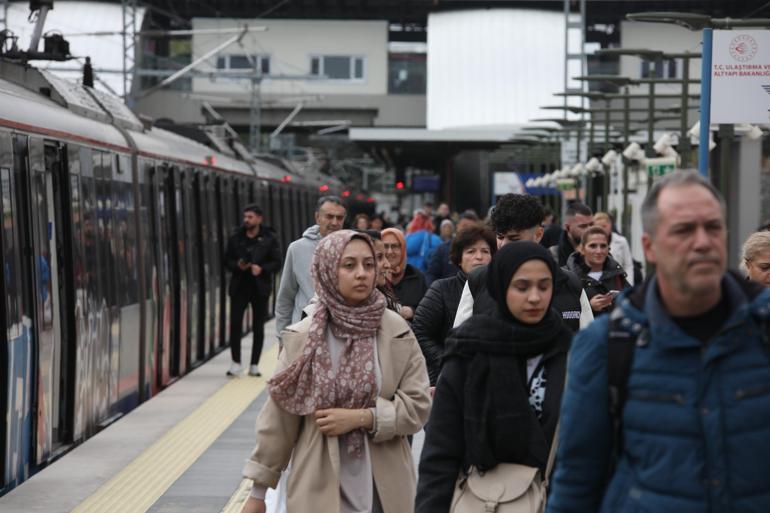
column 621, row 345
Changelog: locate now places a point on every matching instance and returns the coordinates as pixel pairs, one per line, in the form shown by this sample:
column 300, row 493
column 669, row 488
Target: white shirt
column 621, row 252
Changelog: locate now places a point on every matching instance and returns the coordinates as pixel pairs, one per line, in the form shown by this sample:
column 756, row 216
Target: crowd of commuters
column 523, row 349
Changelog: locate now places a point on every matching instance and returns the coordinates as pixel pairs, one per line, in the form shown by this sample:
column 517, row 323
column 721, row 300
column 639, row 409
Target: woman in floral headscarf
column 351, row 386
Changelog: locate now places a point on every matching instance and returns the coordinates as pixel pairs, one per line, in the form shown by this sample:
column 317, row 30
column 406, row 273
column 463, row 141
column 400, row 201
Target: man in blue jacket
column 692, row 421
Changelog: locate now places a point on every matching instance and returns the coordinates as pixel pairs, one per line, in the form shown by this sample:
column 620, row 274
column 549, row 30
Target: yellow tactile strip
column 136, row 488
column 235, row 504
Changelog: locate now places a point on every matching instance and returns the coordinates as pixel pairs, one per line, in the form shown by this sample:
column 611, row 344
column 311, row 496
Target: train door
column 275, row 213
column 152, row 289
column 93, row 326
column 213, row 272
column 229, row 219
column 221, row 198
column 178, row 250
column 59, row 211
column 127, row 308
column 40, row 169
column 192, row 258
column 108, row 363
column 80, row 167
column 166, row 283
column 205, row 287
column 17, row 351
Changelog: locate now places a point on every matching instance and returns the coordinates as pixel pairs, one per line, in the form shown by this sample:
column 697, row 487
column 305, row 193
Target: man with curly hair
column 520, row 217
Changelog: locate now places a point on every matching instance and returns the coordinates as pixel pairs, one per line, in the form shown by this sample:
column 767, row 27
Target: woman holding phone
column 603, row 278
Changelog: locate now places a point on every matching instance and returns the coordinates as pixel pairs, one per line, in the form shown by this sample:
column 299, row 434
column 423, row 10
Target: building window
column 407, row 73
column 234, row 63
column 665, row 68
column 337, row 67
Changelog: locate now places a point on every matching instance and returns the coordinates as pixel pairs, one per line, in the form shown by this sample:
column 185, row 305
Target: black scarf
column 499, row 424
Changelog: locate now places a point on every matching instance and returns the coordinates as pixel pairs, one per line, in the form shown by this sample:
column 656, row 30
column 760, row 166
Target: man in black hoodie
column 520, row 217
column 252, row 256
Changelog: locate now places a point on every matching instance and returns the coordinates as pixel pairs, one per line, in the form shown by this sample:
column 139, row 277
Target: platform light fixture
column 664, row 146
column 610, row 157
column 634, row 152
column 594, row 166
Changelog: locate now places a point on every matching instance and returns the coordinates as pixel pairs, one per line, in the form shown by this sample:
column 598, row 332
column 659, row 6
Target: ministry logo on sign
column 743, row 48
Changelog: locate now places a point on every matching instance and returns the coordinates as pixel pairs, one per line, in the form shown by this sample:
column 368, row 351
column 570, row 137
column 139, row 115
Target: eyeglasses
column 394, row 247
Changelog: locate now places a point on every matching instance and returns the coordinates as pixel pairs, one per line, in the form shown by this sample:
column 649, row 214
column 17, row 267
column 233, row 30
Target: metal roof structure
column 420, row 135
column 409, row 17
column 413, row 14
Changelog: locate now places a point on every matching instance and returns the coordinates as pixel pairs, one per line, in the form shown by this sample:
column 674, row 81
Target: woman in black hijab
column 497, row 398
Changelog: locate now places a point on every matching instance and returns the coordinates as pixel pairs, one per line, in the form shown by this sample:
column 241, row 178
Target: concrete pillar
column 744, row 197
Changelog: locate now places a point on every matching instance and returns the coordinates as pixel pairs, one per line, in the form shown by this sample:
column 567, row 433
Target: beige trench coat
column 403, row 407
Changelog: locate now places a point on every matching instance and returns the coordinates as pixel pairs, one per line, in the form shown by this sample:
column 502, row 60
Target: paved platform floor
column 180, row 452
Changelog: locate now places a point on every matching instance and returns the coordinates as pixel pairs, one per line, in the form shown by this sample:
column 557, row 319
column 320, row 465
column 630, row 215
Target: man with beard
column 252, row 256
column 577, row 219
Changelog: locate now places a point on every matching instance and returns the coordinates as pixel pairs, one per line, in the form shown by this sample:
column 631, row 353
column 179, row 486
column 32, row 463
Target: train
column 113, row 238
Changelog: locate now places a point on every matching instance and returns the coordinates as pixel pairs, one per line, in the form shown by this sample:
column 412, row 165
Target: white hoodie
column 621, row 252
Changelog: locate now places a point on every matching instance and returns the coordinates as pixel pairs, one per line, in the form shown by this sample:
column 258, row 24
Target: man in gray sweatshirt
column 296, row 288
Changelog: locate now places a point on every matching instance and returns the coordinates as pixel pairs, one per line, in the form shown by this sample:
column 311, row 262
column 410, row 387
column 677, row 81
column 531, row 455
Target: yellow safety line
column 136, row 488
column 235, row 504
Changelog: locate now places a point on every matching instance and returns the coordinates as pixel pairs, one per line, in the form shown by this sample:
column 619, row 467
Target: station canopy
column 409, row 15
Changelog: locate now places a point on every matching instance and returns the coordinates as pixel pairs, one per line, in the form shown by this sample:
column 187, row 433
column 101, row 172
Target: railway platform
column 180, row 452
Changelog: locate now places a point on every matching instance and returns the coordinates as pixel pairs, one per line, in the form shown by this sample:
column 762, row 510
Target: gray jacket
column 296, row 286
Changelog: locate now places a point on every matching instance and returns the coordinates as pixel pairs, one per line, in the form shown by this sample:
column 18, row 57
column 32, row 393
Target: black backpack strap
column 764, row 330
column 620, row 357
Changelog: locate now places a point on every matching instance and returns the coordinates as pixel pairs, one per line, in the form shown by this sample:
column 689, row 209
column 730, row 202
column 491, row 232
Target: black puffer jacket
column 613, row 277
column 411, row 288
column 566, row 298
column 262, row 250
column 434, row 317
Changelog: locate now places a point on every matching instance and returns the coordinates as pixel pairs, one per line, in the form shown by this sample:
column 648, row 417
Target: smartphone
column 613, row 293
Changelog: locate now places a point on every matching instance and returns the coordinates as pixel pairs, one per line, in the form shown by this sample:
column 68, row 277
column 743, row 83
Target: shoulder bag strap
column 552, row 455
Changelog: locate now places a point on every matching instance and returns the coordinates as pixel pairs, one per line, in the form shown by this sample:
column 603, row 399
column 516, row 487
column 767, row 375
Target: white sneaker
column 254, row 371
column 235, row 369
